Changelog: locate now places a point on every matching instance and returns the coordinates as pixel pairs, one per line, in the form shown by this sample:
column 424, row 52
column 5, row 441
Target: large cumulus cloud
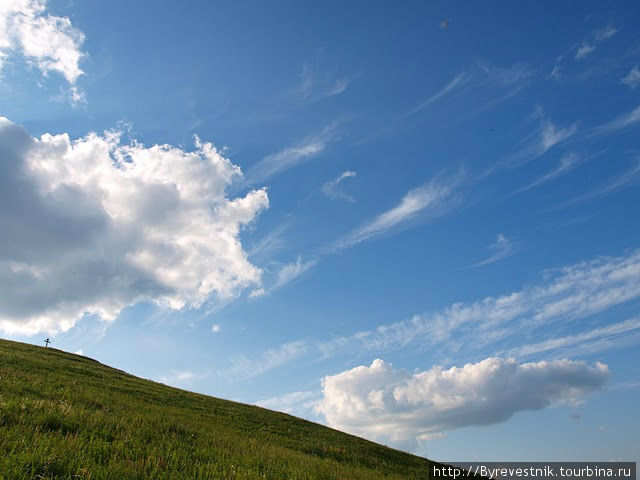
column 93, row 225
column 383, row 403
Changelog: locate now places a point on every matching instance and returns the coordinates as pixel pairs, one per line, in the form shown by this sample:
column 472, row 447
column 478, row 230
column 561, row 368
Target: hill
column 65, row 416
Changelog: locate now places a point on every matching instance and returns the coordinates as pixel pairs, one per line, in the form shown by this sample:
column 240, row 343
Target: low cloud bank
column 382, row 403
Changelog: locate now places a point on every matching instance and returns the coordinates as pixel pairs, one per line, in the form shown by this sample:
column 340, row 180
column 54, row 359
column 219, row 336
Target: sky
column 416, row 223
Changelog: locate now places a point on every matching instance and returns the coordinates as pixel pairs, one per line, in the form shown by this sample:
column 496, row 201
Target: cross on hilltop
column 46, row 343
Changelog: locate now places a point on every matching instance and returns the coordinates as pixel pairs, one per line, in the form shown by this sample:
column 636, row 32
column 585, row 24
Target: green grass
column 64, row 416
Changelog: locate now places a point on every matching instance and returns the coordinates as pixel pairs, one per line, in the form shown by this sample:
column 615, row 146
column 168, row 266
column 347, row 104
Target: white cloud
column 598, row 37
column 301, row 403
column 621, row 122
column 605, row 33
column 51, row 42
column 623, row 180
column 584, row 50
column 629, row 384
column 306, row 82
column 79, row 352
column 432, row 198
column 383, row 403
column 215, row 328
column 567, row 163
column 556, row 72
column 613, row 332
column 291, row 271
column 286, row 158
column 317, row 83
column 547, row 135
column 502, row 248
column 93, row 226
column 185, row 375
column 257, row 292
column 73, row 95
column 291, row 156
column 270, row 243
column 550, row 135
column 482, row 74
column 506, row 76
column 573, row 292
column 498, row 324
column 456, row 82
column 632, row 79
column 330, row 188
column 243, row 367
column 182, row 378
column 339, row 86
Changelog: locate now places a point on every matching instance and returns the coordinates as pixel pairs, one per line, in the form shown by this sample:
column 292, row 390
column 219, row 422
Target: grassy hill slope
column 67, row 416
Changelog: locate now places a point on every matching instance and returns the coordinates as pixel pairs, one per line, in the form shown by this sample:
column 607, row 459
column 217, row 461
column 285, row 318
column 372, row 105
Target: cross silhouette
column 46, row 343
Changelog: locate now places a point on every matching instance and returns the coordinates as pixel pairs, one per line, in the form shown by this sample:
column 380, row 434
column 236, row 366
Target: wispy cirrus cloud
column 287, row 273
column 632, row 79
column 318, row 82
column 456, row 82
column 491, row 83
column 330, row 188
column 580, row 52
column 605, row 32
column 339, row 86
column 567, row 163
column 556, row 72
column 613, row 332
column 515, row 74
column 290, row 157
column 546, row 136
column 550, row 135
column 619, row 182
column 305, row 88
column 578, row 291
column 599, row 36
column 243, row 367
column 431, row 198
column 183, row 378
column 621, row 122
column 502, row 248
column 584, row 50
column 301, row 403
column 269, row 243
column 291, row 271
column 496, row 324
column 482, row 74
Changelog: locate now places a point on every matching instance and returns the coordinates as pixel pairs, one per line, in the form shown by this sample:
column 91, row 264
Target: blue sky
column 418, row 224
